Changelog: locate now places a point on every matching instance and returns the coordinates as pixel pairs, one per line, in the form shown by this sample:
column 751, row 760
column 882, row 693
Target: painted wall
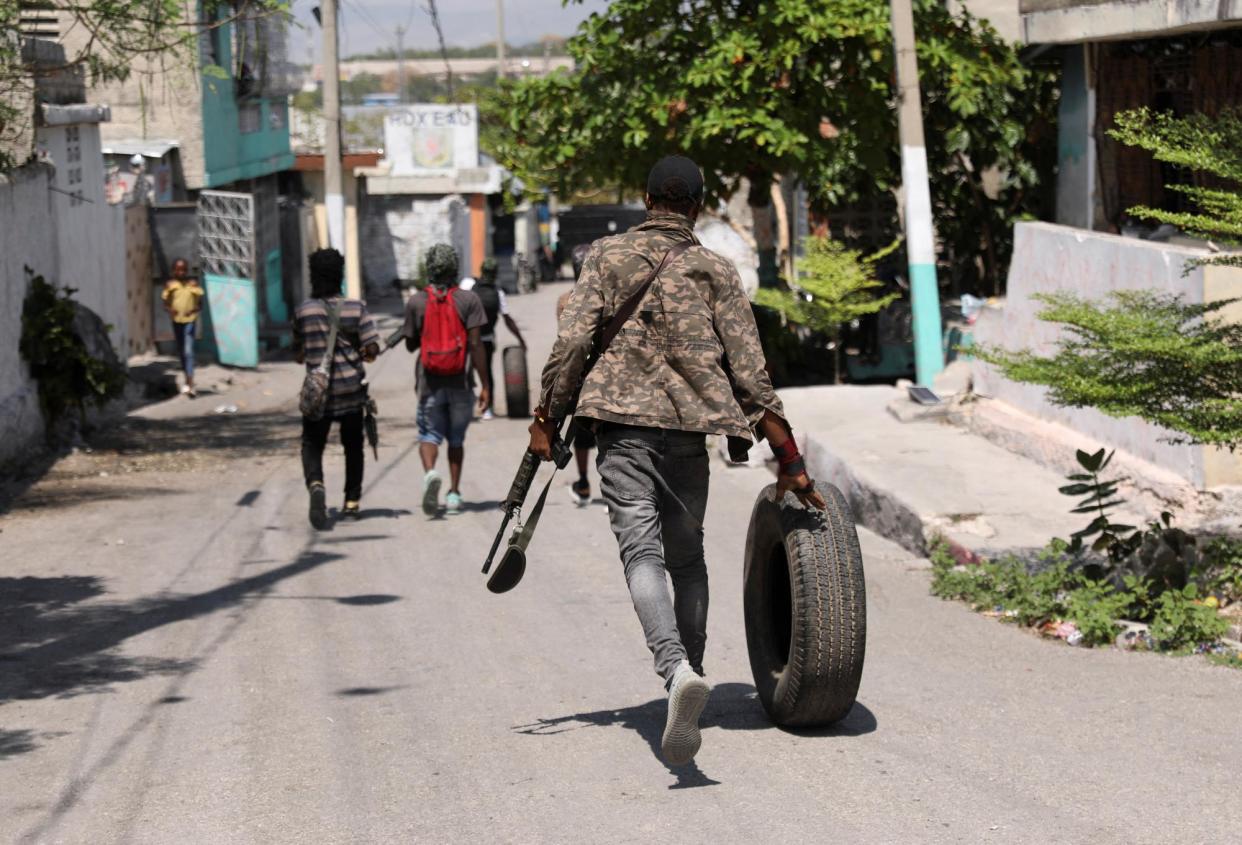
column 396, row 231
column 1048, row 258
column 27, row 238
column 1075, row 141
column 237, row 146
column 90, row 233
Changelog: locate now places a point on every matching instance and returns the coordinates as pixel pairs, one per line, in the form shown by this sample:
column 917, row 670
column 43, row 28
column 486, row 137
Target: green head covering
column 440, row 265
column 488, row 270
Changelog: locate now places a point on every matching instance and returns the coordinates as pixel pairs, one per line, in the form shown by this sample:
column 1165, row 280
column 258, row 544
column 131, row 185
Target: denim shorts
column 445, row 414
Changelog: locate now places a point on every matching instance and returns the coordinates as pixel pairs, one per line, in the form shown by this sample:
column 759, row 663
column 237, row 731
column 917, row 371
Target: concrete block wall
column 90, row 233
column 1047, row 258
column 27, row 239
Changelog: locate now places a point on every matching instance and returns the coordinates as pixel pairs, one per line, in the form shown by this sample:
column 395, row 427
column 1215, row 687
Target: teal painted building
column 245, row 144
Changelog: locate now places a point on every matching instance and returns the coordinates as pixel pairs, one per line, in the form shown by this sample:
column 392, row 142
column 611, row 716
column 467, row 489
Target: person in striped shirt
column 357, row 343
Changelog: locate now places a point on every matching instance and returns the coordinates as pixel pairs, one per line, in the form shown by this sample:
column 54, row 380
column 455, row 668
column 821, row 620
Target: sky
column 368, row 25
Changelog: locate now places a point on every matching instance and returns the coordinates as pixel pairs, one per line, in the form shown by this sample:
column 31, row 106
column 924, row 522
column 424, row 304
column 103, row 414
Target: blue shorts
column 445, row 414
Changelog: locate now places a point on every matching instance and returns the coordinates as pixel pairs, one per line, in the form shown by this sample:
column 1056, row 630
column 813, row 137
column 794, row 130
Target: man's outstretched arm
column 479, row 359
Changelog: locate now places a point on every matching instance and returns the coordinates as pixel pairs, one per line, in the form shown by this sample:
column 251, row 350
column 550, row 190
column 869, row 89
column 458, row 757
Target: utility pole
column 334, row 192
column 500, row 39
column 401, row 64
column 920, row 243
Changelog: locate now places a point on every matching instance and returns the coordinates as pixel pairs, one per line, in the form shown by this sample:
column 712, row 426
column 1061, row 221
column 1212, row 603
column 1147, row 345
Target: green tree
column 1142, row 354
column 835, row 285
column 1211, row 147
column 763, row 87
column 1146, row 354
column 120, row 33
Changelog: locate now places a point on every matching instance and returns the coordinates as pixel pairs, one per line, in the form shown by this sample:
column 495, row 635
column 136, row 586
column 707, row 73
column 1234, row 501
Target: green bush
column 1059, row 592
column 1180, row 621
column 69, row 378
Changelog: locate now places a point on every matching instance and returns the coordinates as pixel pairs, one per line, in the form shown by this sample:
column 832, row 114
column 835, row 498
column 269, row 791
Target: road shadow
column 366, row 692
column 382, row 513
column 110, row 464
column 476, row 507
column 51, row 645
column 732, row 706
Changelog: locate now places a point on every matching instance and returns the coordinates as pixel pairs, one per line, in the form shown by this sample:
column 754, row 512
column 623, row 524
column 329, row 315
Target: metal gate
column 226, row 246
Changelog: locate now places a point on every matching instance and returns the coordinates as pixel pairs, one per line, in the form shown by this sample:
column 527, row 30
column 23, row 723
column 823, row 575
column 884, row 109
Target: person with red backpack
column 444, row 323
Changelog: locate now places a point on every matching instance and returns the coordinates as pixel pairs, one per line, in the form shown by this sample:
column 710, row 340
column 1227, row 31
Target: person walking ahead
column 357, row 341
column 686, row 364
column 444, row 323
column 495, row 306
column 183, row 300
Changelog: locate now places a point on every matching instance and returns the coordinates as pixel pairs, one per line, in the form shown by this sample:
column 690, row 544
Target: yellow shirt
column 184, row 298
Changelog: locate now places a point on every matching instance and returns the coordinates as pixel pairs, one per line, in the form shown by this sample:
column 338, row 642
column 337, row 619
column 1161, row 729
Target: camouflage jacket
column 689, row 358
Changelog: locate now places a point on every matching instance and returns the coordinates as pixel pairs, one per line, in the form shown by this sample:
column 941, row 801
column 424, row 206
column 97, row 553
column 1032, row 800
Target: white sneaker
column 488, row 415
column 431, row 492
column 687, row 696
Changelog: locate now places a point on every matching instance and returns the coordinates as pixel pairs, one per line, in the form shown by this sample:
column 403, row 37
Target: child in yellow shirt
column 183, row 299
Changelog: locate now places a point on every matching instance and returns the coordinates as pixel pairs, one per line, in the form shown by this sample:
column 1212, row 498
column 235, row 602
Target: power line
column 448, row 68
column 384, row 34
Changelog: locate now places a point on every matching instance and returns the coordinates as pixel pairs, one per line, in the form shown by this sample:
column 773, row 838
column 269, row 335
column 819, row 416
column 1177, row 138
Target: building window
column 249, row 118
column 277, row 116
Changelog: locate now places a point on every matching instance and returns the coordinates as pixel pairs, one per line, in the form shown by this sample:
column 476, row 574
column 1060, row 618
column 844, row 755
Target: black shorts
column 584, row 437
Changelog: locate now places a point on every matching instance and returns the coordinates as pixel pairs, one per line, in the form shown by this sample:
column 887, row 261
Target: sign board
column 432, row 138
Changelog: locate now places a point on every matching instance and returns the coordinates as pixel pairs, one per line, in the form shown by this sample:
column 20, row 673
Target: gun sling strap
column 624, row 313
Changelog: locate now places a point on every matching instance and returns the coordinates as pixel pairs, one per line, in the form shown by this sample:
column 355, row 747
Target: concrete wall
column 90, row 233
column 140, row 316
column 1048, row 258
column 1077, row 21
column 27, row 239
column 395, row 231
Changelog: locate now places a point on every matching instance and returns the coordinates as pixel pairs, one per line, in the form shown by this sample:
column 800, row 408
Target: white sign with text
column 435, row 138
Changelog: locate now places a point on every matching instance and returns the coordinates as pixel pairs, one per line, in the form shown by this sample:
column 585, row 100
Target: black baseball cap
column 675, row 178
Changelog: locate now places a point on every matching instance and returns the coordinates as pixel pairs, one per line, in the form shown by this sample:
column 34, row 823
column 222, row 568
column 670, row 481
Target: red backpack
column 443, row 341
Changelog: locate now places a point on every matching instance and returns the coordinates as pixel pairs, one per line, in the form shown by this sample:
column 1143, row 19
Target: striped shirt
column 356, row 330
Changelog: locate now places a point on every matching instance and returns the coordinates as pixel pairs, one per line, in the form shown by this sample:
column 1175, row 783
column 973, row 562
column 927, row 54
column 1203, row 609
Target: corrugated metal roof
column 149, row 147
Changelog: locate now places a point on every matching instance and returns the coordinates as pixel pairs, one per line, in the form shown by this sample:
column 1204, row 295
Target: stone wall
column 1048, row 258
column 27, row 239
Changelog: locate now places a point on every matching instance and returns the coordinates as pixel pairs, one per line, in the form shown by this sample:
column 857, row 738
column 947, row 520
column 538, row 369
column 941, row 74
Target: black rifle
column 513, row 565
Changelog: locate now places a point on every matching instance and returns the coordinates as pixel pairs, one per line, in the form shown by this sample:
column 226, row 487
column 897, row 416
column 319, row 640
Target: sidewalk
column 912, row 481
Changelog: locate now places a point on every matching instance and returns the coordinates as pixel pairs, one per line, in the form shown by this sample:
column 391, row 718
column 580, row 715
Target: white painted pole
column 920, row 242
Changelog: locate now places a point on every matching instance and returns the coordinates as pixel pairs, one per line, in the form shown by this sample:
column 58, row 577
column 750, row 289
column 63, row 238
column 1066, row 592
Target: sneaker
column 318, row 505
column 185, row 390
column 351, row 511
column 431, row 492
column 191, row 392
column 580, row 492
column 452, row 502
column 488, row 415
column 687, row 696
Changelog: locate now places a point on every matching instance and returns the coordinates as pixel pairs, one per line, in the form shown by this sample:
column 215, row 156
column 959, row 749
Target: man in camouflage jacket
column 686, row 364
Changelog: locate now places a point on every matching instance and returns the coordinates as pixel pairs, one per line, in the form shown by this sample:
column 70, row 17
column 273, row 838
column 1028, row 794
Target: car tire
column 517, row 390
column 805, row 608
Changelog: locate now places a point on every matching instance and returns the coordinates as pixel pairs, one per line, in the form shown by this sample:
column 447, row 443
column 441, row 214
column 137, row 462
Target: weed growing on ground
column 1059, row 592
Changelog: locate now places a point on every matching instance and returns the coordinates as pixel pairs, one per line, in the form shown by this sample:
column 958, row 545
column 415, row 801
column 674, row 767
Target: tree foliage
column 835, row 285
column 1209, row 146
column 107, row 38
column 761, row 87
column 1143, row 354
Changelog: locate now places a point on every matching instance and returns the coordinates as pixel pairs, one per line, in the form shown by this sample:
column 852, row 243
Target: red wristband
column 787, row 452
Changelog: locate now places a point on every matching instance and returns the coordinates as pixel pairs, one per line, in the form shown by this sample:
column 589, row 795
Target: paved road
column 182, row 659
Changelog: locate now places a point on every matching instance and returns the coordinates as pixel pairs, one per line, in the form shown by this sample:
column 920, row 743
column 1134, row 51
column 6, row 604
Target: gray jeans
column 655, row 484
